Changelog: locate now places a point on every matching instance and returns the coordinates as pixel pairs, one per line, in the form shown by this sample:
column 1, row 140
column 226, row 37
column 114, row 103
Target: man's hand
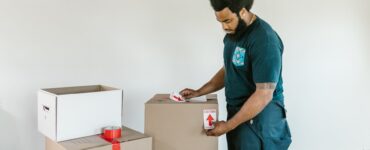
column 189, row 93
column 221, row 127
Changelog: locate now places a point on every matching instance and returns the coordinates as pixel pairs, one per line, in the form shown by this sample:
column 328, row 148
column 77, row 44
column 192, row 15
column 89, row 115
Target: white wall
column 148, row 47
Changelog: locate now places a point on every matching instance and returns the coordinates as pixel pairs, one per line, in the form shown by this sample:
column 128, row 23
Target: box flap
column 164, row 99
column 79, row 89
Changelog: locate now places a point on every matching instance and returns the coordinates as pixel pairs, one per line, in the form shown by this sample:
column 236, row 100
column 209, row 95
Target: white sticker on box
column 209, row 117
column 175, row 96
column 200, row 99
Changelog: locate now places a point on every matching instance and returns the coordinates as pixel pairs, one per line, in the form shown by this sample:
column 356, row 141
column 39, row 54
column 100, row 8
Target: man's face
column 228, row 19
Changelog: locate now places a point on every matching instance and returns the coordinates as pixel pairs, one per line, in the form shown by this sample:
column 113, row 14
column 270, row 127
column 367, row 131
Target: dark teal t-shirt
column 255, row 56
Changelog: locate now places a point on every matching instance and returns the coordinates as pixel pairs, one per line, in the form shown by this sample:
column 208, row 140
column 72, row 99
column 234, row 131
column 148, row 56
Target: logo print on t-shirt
column 238, row 56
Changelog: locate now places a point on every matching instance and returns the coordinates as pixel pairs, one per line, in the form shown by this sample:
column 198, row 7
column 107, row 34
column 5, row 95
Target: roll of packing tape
column 112, row 132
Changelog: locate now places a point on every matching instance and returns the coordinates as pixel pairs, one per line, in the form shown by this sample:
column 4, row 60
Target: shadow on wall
column 8, row 137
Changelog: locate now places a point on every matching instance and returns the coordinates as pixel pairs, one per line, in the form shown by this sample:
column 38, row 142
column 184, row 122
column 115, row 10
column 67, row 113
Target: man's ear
column 243, row 12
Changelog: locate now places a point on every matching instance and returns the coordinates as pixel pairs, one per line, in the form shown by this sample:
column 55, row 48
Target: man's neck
column 249, row 18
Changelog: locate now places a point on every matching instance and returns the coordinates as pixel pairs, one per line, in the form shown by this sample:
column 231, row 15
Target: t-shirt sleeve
column 266, row 62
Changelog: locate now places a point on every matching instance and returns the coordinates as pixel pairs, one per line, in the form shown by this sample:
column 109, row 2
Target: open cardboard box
column 73, row 112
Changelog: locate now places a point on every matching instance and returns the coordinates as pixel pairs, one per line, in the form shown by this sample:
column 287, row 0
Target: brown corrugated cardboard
column 130, row 140
column 178, row 126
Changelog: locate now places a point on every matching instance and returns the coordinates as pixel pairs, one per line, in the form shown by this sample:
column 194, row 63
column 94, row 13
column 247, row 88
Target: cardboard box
column 74, row 112
column 178, row 126
column 130, row 140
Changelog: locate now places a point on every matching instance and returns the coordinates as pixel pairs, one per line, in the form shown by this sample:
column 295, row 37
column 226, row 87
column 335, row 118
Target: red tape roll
column 110, row 134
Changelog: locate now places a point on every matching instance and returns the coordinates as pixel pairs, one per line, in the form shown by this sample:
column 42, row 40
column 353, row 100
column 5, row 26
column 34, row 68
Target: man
column 252, row 79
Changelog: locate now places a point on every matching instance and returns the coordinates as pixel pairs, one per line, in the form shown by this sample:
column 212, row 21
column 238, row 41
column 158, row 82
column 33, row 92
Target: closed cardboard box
column 74, row 112
column 130, row 140
column 178, row 126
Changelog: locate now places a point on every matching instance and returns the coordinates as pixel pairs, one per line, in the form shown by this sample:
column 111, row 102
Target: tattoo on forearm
column 266, row 86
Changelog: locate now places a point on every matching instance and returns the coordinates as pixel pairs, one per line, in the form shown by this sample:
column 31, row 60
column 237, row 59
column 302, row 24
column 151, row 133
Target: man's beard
column 240, row 29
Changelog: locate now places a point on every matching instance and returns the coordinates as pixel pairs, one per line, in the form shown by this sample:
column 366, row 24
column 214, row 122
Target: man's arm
column 254, row 105
column 251, row 108
column 215, row 84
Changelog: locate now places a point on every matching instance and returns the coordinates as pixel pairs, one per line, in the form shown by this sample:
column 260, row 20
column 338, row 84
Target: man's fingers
column 215, row 124
column 210, row 133
column 184, row 92
column 187, row 93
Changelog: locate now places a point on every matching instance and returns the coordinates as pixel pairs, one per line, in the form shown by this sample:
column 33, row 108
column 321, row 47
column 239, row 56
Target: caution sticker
column 175, row 96
column 209, row 118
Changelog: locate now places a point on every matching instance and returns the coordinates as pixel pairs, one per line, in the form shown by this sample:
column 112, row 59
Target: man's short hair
column 234, row 5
